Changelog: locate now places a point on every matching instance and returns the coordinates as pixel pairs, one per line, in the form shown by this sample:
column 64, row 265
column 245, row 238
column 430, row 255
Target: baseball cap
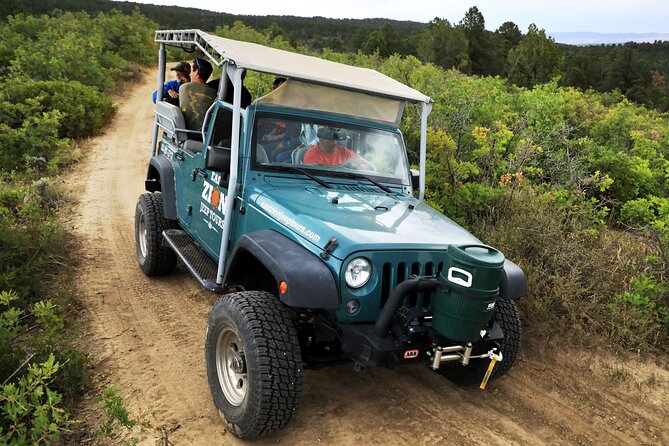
column 182, row 66
column 331, row 133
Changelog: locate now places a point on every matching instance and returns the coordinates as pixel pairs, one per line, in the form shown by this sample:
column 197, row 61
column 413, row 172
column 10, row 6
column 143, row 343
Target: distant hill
column 588, row 38
column 636, row 65
column 314, row 32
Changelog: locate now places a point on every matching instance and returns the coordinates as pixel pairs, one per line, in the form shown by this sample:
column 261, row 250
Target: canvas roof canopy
column 303, row 95
column 292, row 65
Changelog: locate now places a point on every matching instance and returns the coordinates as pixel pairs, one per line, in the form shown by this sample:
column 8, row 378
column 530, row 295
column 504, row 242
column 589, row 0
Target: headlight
column 358, row 272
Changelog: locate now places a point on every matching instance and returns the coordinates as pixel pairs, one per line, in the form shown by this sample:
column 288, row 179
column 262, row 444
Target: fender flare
column 309, row 281
column 160, row 177
column 513, row 284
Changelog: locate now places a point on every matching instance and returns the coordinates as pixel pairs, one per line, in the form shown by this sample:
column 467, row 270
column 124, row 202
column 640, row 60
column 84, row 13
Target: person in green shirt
column 195, row 97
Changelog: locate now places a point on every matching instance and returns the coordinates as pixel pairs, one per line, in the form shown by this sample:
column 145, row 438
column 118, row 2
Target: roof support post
column 235, row 74
column 159, row 94
column 426, row 108
column 223, row 82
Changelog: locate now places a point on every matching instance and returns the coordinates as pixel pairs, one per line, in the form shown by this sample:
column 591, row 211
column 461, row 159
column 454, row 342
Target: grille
column 393, row 274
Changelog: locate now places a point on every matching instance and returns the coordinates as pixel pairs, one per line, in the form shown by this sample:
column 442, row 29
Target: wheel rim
column 231, row 366
column 141, row 234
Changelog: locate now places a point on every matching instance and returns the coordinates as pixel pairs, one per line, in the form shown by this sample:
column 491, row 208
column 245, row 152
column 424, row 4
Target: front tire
column 153, row 257
column 254, row 364
column 506, row 315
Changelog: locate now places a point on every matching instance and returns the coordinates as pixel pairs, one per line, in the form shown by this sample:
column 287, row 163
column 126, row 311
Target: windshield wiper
column 302, row 171
column 365, row 177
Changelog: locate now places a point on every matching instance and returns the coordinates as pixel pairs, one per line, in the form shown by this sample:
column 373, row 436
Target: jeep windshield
column 330, row 149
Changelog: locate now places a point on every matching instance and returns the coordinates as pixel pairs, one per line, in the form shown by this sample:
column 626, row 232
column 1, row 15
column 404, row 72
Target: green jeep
column 299, row 209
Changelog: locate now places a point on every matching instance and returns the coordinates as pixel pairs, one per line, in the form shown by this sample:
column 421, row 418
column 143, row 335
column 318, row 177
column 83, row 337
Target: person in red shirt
column 327, row 152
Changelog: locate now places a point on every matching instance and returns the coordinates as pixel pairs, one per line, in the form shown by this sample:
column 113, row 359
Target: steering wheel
column 358, row 163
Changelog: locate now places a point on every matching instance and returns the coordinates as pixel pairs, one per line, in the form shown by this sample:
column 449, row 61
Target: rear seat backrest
column 171, row 119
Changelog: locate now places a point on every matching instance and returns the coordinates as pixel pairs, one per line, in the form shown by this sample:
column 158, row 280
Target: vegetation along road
column 146, row 337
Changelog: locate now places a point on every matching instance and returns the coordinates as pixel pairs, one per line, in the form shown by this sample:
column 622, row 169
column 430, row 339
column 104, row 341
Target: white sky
column 606, row 16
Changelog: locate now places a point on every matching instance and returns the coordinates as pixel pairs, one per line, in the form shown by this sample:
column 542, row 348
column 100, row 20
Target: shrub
column 84, row 109
column 32, row 243
column 30, row 411
column 116, row 414
column 642, row 312
column 576, row 271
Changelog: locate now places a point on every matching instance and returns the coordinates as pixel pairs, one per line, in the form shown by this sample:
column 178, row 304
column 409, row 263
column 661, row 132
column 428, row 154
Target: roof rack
column 292, row 65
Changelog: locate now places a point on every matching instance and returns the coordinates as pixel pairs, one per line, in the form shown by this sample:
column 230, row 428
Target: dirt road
column 146, row 337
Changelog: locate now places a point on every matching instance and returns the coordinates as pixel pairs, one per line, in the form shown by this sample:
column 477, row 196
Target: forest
column 525, row 57
column 569, row 181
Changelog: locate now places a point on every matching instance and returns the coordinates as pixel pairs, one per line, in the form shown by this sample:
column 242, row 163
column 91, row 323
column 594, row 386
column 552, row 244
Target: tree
column 9, row 7
column 628, row 73
column 535, row 60
column 479, row 49
column 510, row 36
column 445, row 45
column 384, row 40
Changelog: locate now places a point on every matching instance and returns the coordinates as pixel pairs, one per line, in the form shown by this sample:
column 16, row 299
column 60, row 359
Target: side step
column 196, row 260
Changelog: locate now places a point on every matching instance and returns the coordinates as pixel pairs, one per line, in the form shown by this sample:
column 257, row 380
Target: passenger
column 280, row 138
column 196, row 97
column 327, row 152
column 246, row 98
column 171, row 88
column 277, row 82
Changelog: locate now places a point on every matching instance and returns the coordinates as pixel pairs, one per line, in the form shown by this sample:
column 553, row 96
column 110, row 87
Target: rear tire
column 154, row 258
column 254, row 363
column 506, row 315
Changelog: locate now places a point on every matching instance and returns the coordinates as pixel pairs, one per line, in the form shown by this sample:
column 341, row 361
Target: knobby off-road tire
column 154, row 257
column 506, row 315
column 254, row 364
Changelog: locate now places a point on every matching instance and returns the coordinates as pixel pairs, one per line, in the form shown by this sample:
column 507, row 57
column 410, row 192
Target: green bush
column 84, row 110
column 30, row 411
column 116, row 415
column 32, row 243
column 56, row 73
column 642, row 312
column 35, row 142
column 74, row 46
column 576, row 270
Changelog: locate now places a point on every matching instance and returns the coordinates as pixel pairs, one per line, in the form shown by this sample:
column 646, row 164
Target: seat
column 261, row 155
column 297, row 157
column 192, row 146
column 171, row 120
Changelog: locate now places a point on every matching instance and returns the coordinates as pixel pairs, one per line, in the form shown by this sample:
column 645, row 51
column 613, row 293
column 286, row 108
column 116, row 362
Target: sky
column 604, row 16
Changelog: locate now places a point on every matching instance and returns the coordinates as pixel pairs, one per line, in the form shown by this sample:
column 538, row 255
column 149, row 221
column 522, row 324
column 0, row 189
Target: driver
column 327, row 151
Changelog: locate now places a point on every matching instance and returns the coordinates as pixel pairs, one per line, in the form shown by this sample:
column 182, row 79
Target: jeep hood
column 360, row 220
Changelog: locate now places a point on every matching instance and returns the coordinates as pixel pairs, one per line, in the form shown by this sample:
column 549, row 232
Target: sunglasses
column 196, row 62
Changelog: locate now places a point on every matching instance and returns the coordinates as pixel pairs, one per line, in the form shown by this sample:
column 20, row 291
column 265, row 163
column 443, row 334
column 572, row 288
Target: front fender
column 513, row 284
column 309, row 281
column 160, row 177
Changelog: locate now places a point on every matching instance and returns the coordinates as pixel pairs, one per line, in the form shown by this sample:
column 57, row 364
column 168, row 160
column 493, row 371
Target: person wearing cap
column 195, row 97
column 171, row 88
column 327, row 152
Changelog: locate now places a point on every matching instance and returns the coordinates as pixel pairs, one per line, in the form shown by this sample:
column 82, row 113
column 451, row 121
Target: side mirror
column 218, row 159
column 415, row 179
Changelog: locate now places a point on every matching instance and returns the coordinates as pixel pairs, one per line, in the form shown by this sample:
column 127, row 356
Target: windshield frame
column 328, row 171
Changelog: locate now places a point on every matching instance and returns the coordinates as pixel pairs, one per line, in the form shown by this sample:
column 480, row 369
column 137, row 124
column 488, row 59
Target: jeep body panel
column 360, row 220
column 160, row 177
column 307, row 281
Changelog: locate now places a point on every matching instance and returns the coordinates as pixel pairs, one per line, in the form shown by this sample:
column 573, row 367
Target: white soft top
column 292, row 65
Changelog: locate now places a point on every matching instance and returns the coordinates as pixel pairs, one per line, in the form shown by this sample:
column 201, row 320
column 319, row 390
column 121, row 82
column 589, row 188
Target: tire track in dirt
column 147, row 336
